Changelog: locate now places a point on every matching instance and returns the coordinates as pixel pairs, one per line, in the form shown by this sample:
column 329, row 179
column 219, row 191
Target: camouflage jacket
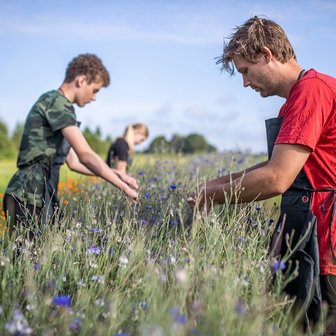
column 40, row 141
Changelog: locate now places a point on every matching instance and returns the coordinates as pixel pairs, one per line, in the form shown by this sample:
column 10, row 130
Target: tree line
column 193, row 143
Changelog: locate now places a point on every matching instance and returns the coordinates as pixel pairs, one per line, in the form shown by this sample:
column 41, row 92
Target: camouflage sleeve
column 60, row 114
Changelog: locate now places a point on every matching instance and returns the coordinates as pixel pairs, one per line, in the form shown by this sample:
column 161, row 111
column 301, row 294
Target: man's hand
column 199, row 201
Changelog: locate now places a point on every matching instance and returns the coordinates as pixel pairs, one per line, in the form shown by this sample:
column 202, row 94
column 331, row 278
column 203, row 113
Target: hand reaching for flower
column 130, row 180
column 132, row 194
column 200, row 201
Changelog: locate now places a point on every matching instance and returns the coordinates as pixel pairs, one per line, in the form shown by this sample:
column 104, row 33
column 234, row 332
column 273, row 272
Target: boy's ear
column 79, row 81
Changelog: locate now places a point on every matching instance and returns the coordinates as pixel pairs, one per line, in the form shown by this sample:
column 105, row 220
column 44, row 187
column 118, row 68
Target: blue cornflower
column 93, row 250
column 177, row 316
column 75, row 325
column 62, row 300
column 172, row 222
column 174, row 312
column 278, row 265
column 172, row 186
column 147, row 194
column 95, row 230
column 122, row 334
column 18, row 324
column 37, row 267
column 143, row 221
column 181, row 319
column 143, row 305
column 141, row 173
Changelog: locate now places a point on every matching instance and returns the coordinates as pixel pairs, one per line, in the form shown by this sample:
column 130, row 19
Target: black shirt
column 117, row 151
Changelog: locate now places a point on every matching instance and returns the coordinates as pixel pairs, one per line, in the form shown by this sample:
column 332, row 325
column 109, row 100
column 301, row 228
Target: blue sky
column 161, row 58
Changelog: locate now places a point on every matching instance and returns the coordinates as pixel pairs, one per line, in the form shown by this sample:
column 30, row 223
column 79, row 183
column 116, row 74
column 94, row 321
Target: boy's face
column 86, row 92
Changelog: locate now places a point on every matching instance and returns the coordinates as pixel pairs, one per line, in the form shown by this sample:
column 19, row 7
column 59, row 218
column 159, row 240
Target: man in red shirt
column 302, row 157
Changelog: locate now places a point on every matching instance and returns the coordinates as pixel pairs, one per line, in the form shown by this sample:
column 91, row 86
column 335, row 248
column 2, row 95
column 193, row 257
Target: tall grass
column 107, row 267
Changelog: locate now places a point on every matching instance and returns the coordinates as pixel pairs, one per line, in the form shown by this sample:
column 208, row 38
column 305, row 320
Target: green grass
column 7, row 168
column 144, row 270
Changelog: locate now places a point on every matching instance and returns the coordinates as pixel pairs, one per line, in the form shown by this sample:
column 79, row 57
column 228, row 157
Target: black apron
column 295, row 239
column 51, row 202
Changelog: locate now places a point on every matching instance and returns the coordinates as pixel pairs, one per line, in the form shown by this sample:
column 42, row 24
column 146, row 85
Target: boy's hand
column 131, row 181
column 132, row 194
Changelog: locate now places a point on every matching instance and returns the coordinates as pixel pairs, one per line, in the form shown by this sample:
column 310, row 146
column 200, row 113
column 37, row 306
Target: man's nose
column 246, row 81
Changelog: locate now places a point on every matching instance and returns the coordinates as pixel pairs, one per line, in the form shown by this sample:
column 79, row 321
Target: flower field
column 108, row 267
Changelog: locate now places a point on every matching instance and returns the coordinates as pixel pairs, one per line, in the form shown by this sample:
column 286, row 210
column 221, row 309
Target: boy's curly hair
column 89, row 65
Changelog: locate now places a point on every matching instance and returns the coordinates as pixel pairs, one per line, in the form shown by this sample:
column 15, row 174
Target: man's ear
column 80, row 80
column 267, row 54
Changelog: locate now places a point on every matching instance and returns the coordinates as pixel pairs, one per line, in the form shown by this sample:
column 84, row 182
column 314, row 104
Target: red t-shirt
column 309, row 119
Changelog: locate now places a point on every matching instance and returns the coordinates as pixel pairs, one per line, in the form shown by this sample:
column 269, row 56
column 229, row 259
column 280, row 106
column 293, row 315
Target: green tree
column 177, row 143
column 196, row 143
column 95, row 141
column 6, row 145
column 159, row 145
column 17, row 135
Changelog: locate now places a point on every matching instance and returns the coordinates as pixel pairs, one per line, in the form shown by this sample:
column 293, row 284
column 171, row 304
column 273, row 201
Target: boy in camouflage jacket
column 51, row 137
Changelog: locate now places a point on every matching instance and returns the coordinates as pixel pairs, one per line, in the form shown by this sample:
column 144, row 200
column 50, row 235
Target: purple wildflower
column 18, row 324
column 75, row 325
column 181, row 319
column 278, row 265
column 93, row 250
column 95, row 230
column 37, row 267
column 147, row 194
column 240, row 307
column 172, row 186
column 177, row 316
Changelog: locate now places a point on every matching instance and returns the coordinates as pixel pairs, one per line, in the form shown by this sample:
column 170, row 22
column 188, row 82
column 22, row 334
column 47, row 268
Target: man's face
column 87, row 92
column 256, row 75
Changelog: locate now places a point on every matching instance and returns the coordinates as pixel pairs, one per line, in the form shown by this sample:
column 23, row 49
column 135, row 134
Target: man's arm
column 231, row 177
column 266, row 181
